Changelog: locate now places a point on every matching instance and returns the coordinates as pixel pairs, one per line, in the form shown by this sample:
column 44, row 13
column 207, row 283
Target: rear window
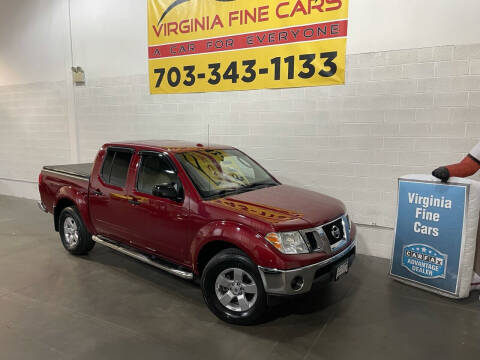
column 115, row 167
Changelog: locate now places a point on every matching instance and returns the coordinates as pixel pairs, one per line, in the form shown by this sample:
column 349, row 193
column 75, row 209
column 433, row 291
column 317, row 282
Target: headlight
column 288, row 242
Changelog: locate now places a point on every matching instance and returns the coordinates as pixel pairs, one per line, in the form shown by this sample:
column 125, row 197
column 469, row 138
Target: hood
column 284, row 207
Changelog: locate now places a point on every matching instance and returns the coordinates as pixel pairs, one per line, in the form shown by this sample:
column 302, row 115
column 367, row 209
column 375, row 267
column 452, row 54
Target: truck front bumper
column 300, row 280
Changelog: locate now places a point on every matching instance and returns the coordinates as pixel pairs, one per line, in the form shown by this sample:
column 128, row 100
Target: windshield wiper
column 223, row 192
column 233, row 191
column 258, row 185
column 254, row 186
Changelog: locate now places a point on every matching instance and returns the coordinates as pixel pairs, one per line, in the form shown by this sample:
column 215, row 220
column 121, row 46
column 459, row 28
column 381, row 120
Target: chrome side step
column 139, row 256
column 41, row 206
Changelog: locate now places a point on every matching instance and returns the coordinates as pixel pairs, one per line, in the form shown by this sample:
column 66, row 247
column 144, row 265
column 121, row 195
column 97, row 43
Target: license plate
column 342, row 269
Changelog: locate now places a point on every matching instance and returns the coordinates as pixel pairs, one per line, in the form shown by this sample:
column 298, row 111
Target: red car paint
column 178, row 231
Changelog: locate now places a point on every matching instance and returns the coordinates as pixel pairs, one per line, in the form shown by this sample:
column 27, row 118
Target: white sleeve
column 476, row 152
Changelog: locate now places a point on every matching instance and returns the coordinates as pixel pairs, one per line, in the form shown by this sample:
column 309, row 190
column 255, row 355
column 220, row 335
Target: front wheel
column 233, row 289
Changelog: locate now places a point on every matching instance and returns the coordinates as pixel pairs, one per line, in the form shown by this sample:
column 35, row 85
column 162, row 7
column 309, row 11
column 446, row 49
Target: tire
column 233, row 289
column 73, row 233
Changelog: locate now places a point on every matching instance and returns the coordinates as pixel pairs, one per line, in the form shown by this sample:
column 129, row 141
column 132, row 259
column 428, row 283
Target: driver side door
column 158, row 225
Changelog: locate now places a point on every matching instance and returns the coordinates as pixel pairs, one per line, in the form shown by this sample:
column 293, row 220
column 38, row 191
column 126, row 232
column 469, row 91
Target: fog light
column 297, row 283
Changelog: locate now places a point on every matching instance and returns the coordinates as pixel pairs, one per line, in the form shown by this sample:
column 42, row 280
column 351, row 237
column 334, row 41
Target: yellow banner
column 219, row 45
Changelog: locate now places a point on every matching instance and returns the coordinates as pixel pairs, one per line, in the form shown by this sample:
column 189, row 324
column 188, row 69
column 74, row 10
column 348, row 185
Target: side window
column 107, row 166
column 115, row 167
column 155, row 169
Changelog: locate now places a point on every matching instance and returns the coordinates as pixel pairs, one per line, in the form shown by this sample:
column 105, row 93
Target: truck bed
column 78, row 170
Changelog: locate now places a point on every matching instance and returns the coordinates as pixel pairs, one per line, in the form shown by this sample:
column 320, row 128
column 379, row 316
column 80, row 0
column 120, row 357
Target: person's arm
column 467, row 167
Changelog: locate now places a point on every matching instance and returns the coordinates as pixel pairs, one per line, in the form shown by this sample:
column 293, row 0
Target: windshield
column 217, row 173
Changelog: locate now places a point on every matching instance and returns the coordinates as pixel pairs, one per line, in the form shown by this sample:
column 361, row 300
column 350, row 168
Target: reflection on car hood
column 284, row 206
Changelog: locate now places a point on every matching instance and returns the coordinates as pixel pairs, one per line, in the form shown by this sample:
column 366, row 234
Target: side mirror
column 167, row 191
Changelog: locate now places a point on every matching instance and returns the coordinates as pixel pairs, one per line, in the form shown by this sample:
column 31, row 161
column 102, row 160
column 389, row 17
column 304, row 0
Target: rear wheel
column 73, row 233
column 233, row 288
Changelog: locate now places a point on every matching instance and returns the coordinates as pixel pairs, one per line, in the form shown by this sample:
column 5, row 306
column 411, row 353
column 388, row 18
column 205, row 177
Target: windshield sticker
column 217, row 167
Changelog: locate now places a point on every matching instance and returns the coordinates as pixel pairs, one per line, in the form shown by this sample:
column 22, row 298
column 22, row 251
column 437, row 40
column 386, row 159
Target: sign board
column 429, row 234
column 219, row 45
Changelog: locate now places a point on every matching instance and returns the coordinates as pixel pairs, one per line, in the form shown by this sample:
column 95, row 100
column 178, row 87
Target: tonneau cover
column 79, row 170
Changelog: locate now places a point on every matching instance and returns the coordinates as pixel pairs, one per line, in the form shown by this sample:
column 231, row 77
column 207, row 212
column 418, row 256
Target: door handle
column 134, row 201
column 97, row 192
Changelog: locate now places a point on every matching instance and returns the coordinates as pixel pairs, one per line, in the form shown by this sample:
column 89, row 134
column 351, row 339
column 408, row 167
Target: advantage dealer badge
column 220, row 45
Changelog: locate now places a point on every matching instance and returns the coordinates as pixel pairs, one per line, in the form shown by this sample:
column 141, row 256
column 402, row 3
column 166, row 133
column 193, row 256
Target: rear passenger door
column 108, row 195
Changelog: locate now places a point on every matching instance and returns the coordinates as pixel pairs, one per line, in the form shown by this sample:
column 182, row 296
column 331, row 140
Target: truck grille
column 334, row 231
column 323, row 238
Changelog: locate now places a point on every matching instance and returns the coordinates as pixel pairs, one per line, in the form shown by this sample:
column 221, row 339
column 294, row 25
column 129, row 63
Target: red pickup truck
column 202, row 212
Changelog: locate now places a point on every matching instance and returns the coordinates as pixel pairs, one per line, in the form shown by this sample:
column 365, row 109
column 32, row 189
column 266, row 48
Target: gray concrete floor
column 108, row 306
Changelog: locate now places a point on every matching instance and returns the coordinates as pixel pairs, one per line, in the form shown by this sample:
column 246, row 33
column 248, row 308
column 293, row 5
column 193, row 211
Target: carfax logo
column 424, row 261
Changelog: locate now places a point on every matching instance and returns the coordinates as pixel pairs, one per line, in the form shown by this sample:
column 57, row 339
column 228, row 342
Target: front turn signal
column 274, row 239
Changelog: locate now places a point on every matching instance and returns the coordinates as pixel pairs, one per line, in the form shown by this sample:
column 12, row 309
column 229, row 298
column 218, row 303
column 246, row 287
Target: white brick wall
column 33, row 132
column 400, row 112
